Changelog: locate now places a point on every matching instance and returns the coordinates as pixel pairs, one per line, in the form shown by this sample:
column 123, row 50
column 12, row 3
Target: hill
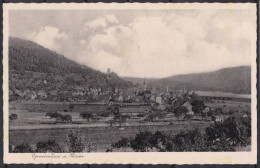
column 33, row 67
column 235, row 80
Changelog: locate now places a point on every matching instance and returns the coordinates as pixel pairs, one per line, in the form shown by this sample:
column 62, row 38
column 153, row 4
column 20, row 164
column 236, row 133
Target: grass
column 102, row 136
column 29, row 115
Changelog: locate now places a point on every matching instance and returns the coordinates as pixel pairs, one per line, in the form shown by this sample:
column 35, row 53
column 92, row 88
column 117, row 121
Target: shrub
column 140, row 115
column 59, row 117
column 180, row 111
column 191, row 140
column 71, row 107
column 229, row 134
column 86, row 115
column 104, row 114
column 13, row 117
column 197, row 106
column 226, row 136
column 49, row 146
column 66, row 118
column 122, row 143
column 141, row 142
column 23, row 148
column 53, row 115
column 75, row 142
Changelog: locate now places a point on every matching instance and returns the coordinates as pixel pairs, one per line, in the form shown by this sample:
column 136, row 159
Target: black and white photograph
column 96, row 82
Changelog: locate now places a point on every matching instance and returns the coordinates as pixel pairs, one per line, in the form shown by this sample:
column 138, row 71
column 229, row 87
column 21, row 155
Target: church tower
column 144, row 84
column 108, row 73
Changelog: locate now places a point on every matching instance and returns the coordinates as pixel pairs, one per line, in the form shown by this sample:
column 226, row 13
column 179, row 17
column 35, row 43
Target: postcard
column 130, row 83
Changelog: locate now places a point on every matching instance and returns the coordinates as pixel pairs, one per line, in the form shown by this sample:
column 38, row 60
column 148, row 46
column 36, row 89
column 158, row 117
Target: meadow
column 28, row 129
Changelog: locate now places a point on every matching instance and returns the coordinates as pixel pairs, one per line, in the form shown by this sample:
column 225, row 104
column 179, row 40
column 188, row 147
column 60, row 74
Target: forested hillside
column 235, row 79
column 33, row 67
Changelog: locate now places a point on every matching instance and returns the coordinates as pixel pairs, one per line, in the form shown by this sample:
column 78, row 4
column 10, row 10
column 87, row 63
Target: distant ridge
column 235, row 80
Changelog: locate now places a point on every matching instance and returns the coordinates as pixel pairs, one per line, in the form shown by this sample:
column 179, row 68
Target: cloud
column 152, row 43
column 49, row 37
column 101, row 22
column 112, row 19
column 96, row 23
column 156, row 46
column 82, row 42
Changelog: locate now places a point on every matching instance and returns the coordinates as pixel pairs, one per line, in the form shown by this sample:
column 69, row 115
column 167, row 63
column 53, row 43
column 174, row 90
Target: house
column 188, row 106
column 53, row 93
column 206, row 110
column 161, row 107
column 31, row 94
column 217, row 119
column 78, row 93
column 42, row 94
column 120, row 98
column 152, row 98
column 20, row 93
column 158, row 100
column 190, row 112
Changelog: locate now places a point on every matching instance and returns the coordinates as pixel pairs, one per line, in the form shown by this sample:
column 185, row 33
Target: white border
column 137, row 158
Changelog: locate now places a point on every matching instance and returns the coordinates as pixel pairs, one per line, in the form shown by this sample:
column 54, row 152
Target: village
column 138, row 105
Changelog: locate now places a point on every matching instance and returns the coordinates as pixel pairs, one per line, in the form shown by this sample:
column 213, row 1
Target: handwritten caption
column 56, row 156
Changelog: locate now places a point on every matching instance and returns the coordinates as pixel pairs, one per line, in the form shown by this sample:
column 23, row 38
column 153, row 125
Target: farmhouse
column 188, row 106
column 53, row 93
column 206, row 110
column 218, row 118
column 78, row 93
column 158, row 100
column 20, row 93
column 42, row 94
column 31, row 94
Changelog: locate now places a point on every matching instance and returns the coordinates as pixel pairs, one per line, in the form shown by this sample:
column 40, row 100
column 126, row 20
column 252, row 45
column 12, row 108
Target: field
column 28, row 129
column 102, row 137
column 229, row 105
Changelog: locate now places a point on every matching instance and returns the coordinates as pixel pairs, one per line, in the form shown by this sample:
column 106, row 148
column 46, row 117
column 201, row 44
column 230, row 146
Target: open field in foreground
column 102, row 137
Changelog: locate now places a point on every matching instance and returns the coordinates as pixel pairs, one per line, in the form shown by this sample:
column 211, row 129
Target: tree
column 141, row 142
column 23, row 148
column 104, row 114
column 230, row 133
column 66, row 118
column 204, row 115
column 188, row 117
column 180, row 112
column 53, row 115
column 191, row 140
column 122, row 143
column 197, row 106
column 59, row 117
column 86, row 115
column 75, row 142
column 13, row 117
column 49, row 146
column 150, row 117
column 71, row 107
column 218, row 111
column 140, row 115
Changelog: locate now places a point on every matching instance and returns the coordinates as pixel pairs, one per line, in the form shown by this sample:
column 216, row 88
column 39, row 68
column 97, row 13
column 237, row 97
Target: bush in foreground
column 223, row 136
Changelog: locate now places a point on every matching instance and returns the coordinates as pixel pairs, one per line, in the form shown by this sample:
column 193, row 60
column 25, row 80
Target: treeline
column 222, row 136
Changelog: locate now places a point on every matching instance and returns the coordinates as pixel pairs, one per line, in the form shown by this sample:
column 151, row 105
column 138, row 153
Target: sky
column 139, row 43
